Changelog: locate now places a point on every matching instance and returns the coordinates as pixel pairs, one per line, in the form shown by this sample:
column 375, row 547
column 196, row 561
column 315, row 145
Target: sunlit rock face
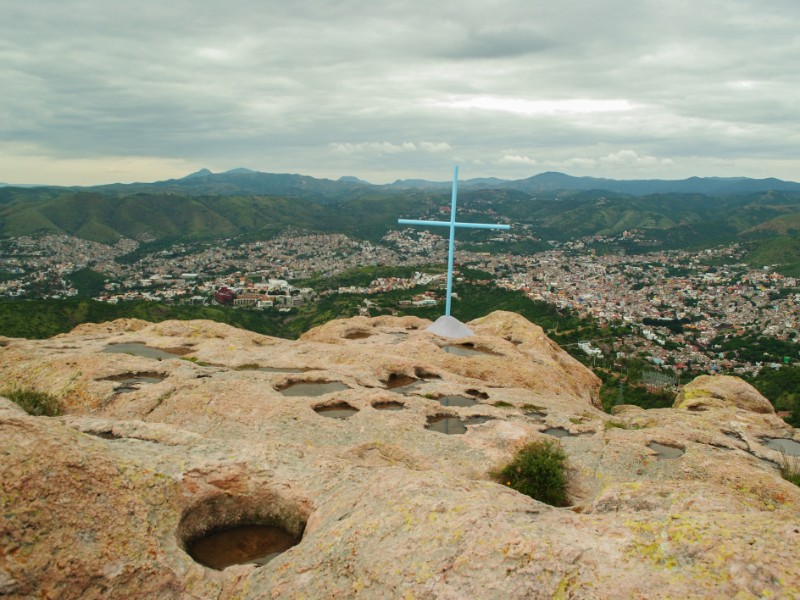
column 153, row 459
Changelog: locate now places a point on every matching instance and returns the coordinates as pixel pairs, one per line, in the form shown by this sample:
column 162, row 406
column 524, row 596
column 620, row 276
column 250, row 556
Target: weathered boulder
column 106, row 500
column 709, row 391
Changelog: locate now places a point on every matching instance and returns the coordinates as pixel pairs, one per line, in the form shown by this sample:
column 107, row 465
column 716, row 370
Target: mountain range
column 549, row 206
column 246, row 181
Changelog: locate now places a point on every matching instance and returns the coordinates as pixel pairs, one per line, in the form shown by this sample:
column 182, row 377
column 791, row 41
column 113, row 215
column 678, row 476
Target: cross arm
column 448, row 224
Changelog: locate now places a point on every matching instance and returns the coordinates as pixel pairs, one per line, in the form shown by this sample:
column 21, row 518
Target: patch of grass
column 248, row 367
column 576, row 420
column 539, row 470
column 790, row 469
column 197, row 361
column 37, row 404
column 532, row 407
column 503, row 404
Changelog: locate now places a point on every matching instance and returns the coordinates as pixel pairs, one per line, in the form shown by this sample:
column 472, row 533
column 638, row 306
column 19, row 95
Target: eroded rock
column 105, row 500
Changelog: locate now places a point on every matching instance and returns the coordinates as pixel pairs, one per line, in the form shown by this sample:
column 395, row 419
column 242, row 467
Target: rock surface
column 714, row 390
column 101, row 501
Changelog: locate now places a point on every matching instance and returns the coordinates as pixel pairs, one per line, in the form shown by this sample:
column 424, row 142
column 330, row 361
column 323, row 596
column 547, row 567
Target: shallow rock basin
column 535, row 414
column 789, row 447
column 398, row 381
column 131, row 379
column 388, row 406
column 336, row 411
column 446, row 424
column 246, row 544
column 466, row 351
column 664, row 451
column 558, row 432
column 145, row 351
column 456, row 401
column 313, row 388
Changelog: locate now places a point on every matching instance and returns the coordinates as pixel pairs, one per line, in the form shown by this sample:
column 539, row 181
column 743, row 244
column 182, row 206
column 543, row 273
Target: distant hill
column 243, row 181
column 782, row 252
column 709, row 186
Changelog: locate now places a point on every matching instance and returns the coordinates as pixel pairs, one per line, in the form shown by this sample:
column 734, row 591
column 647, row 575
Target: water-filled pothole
column 467, row 350
column 479, row 419
column 388, row 406
column 784, row 445
column 248, row 544
column 138, row 349
column 399, row 380
column 130, row 381
column 312, row 388
column 452, row 425
column 229, row 530
column 535, row 414
column 456, row 401
column 558, row 432
column 665, row 451
column 138, row 377
column 342, row 410
column 447, row 424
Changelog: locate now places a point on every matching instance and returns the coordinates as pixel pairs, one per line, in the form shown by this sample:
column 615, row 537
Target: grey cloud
column 281, row 85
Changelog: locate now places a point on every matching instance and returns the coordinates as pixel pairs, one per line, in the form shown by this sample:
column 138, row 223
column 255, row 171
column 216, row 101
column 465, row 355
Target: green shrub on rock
column 539, row 470
column 33, row 402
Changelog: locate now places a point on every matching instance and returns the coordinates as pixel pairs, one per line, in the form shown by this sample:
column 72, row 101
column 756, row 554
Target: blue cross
column 452, row 224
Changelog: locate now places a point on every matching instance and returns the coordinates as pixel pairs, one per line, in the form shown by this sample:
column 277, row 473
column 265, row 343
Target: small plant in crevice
column 503, row 404
column 33, row 402
column 539, row 470
column 790, row 468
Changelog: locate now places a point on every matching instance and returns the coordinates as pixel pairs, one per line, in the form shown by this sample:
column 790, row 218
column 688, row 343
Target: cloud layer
column 101, row 91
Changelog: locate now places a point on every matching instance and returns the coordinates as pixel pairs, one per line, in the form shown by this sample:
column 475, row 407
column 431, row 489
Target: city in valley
column 680, row 309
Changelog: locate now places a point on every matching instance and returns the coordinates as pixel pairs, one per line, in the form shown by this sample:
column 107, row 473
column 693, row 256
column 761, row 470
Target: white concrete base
column 450, row 327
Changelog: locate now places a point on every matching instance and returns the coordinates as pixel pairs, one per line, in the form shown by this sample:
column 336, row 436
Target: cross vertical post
column 450, row 325
column 452, row 247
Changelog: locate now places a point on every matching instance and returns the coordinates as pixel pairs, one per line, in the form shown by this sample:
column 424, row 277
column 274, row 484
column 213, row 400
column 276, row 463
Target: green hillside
column 783, row 252
column 672, row 220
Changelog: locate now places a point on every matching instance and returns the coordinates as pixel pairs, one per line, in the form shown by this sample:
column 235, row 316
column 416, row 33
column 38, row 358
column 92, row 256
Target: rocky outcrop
column 722, row 390
column 104, row 500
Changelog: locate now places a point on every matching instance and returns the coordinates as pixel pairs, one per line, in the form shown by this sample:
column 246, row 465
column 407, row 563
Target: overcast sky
column 98, row 91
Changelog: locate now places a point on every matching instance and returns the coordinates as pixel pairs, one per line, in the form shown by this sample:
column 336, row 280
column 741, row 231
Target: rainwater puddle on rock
column 456, row 401
column 664, row 451
column 398, row 380
column 336, row 411
column 535, row 414
column 388, row 406
column 313, row 388
column 246, row 544
column 446, row 424
column 479, row 419
column 558, row 432
column 129, row 379
column 146, row 351
column 465, row 350
column 789, row 447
